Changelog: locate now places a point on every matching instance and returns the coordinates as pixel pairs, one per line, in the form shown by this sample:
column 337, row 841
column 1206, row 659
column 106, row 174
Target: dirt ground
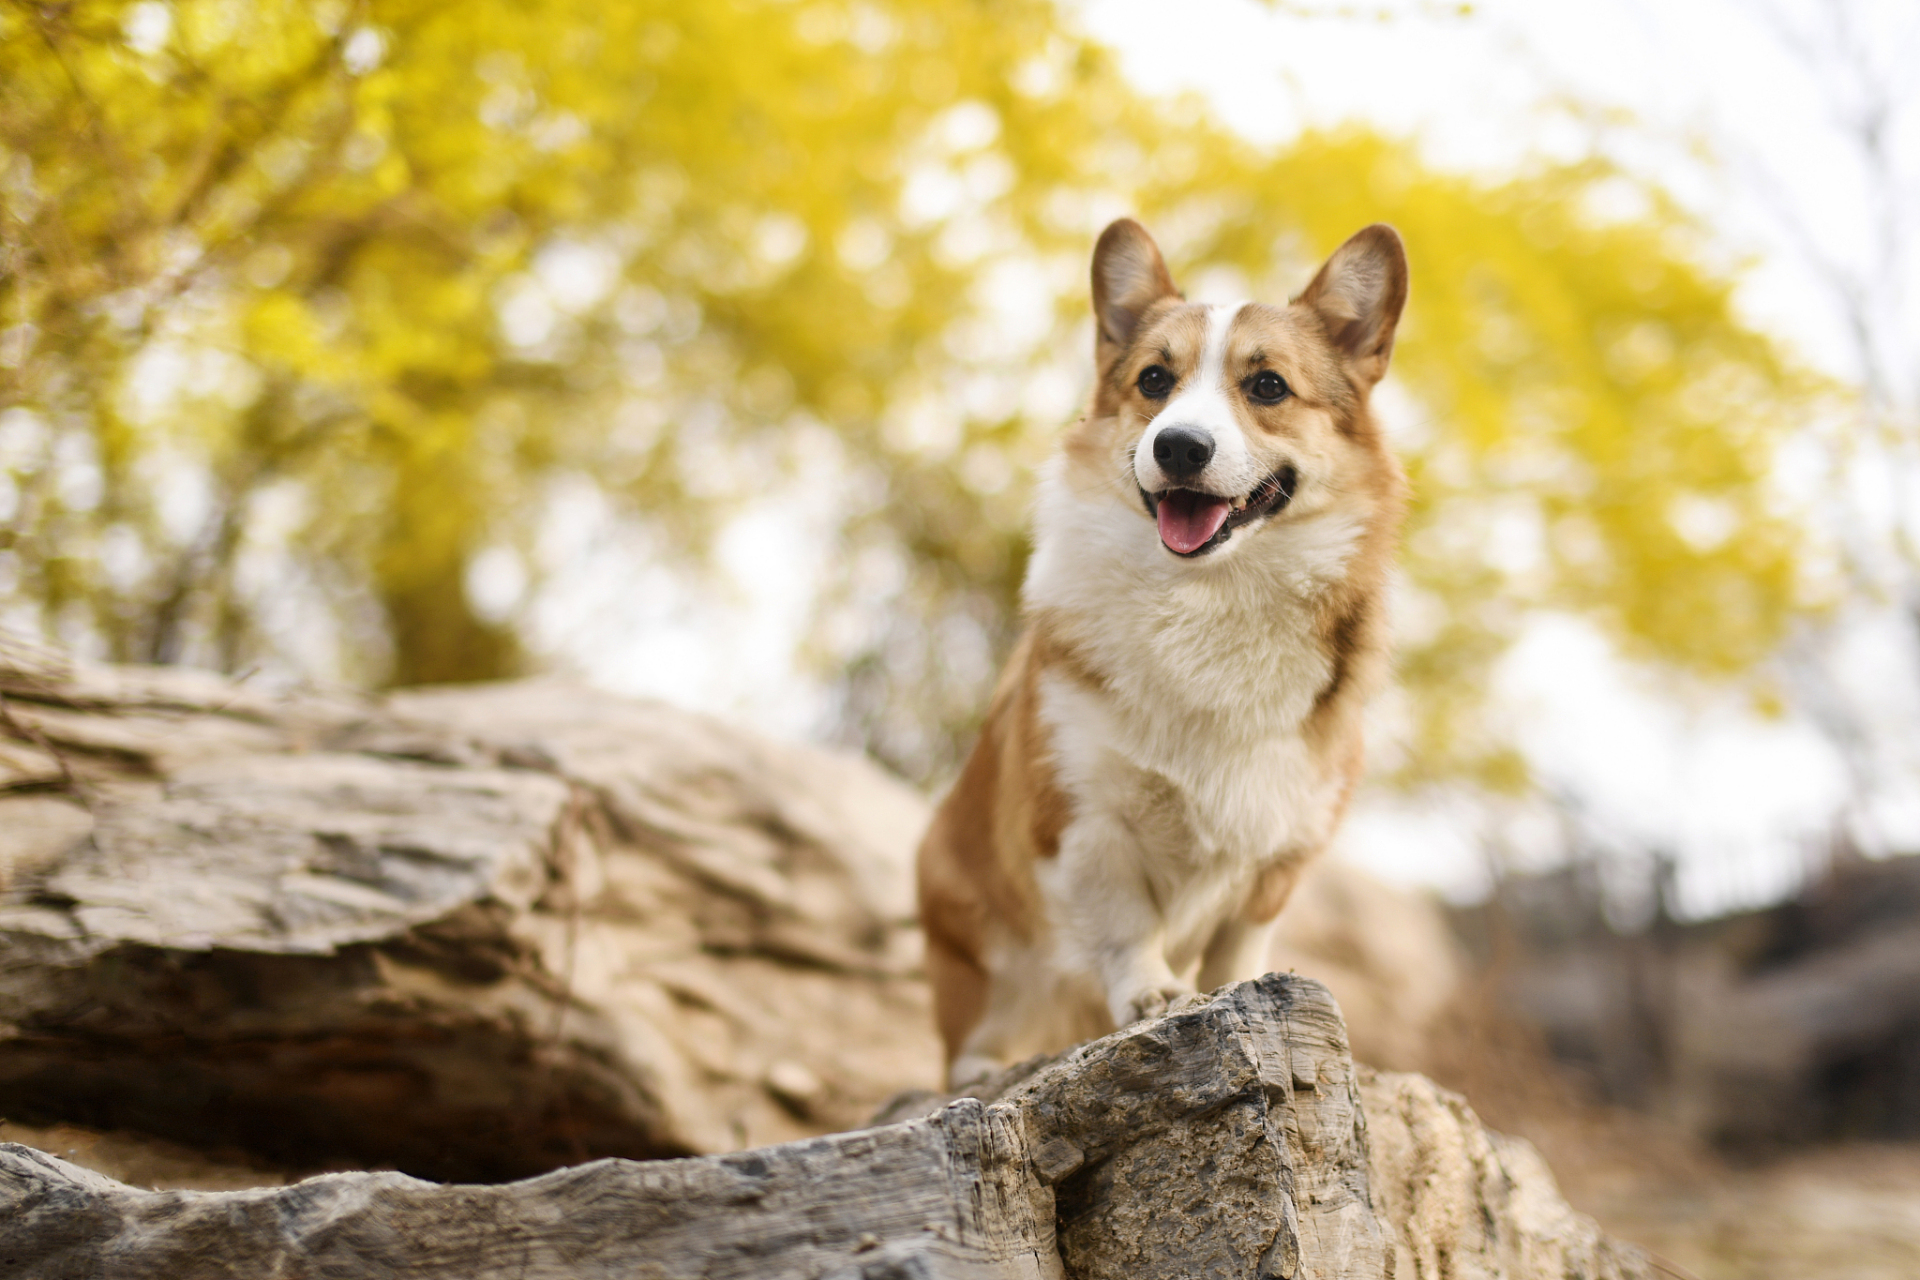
column 1849, row 1212
column 1834, row 1213
column 1845, row 1212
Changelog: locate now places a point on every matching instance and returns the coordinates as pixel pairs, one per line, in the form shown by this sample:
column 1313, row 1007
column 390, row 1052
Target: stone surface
column 469, row 933
column 1387, row 954
column 1386, row 1175
column 1464, row 1201
column 480, row 933
column 1224, row 1140
column 142, row 1160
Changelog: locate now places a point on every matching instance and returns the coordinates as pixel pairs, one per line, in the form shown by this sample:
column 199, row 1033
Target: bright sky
column 1738, row 799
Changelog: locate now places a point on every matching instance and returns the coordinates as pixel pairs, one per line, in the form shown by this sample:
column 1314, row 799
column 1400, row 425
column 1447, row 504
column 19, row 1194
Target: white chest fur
column 1195, row 744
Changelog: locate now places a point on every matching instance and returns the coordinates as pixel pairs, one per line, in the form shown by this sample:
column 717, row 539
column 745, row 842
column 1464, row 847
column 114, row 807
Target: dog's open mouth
column 1192, row 523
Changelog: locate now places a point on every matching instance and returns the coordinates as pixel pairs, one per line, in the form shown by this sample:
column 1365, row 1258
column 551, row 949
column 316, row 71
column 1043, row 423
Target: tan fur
column 1099, row 850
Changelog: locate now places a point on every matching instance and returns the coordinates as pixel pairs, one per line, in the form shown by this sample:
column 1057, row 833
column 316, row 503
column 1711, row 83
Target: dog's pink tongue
column 1188, row 520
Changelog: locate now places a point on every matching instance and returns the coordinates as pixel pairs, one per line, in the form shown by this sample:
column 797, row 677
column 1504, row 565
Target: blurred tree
column 322, row 302
column 411, row 258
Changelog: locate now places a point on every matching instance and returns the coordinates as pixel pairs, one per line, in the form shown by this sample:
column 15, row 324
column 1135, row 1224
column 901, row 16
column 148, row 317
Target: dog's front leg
column 1237, row 951
column 1109, row 919
column 1239, row 947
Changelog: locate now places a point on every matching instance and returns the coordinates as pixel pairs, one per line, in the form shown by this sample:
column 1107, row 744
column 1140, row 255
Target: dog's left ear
column 1129, row 275
column 1359, row 294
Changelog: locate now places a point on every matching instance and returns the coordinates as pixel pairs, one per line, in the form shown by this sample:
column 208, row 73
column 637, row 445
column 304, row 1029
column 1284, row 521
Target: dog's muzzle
column 1192, row 523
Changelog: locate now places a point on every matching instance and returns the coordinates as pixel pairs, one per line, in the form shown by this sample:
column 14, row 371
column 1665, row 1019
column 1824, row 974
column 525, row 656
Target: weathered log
column 1222, row 1140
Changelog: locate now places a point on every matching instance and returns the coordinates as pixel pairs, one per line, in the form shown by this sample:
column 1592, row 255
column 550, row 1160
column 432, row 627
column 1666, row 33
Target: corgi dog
column 1178, row 732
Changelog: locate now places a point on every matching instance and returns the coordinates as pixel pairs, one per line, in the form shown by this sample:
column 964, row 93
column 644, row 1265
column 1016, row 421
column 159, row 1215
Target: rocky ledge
column 529, row 931
column 1230, row 1139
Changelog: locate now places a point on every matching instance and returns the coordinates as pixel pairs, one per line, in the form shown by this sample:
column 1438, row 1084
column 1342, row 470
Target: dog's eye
column 1155, row 381
column 1268, row 387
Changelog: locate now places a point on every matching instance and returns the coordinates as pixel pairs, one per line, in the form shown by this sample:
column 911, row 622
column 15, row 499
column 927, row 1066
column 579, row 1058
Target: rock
column 1388, row 955
column 479, row 933
column 1224, row 1140
column 469, row 933
column 893, row 1204
column 1451, row 1197
column 1808, row 1027
column 40, row 830
column 142, row 1160
column 1465, row 1201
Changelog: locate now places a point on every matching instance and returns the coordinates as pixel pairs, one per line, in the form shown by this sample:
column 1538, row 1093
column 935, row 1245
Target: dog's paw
column 1155, row 1001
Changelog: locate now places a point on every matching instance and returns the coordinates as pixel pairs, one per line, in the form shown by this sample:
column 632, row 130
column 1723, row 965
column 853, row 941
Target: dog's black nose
column 1182, row 451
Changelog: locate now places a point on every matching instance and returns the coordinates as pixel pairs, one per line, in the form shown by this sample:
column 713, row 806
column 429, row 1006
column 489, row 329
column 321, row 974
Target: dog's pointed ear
column 1129, row 275
column 1359, row 294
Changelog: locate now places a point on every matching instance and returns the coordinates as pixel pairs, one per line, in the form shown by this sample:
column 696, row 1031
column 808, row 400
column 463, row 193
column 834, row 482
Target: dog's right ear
column 1129, row 275
column 1359, row 294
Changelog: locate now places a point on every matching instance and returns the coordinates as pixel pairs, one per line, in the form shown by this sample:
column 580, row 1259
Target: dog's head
column 1218, row 422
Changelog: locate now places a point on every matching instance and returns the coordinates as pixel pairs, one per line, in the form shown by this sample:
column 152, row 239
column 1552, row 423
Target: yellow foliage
column 412, row 261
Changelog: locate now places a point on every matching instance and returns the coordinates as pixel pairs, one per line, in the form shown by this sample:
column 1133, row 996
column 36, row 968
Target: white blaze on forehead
column 1213, row 362
column 1210, row 379
column 1202, row 402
